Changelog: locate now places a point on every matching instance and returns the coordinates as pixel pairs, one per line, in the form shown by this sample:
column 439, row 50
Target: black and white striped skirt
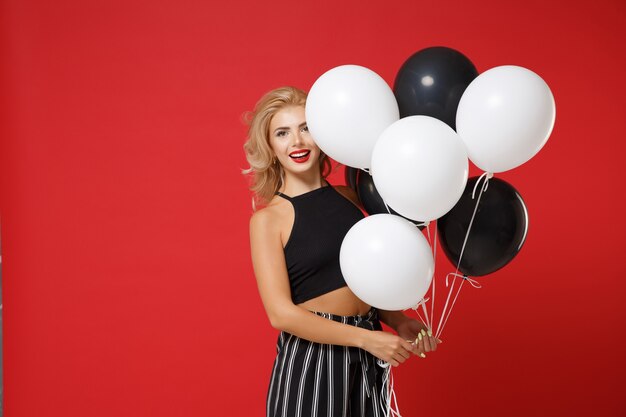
column 319, row 380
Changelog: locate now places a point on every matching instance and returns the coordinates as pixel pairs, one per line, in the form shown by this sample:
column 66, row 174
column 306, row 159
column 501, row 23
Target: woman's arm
column 392, row 318
column 273, row 282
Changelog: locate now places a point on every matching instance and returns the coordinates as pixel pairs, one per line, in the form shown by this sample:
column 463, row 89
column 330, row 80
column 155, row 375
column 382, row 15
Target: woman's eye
column 305, row 129
column 281, row 133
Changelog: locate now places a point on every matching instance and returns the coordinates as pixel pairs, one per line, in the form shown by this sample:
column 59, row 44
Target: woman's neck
column 296, row 185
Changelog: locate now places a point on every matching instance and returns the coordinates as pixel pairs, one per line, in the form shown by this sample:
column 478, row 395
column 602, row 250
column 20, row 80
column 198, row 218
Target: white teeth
column 299, row 155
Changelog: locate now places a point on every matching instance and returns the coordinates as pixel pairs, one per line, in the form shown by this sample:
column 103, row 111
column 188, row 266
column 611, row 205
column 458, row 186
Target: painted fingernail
column 423, row 332
column 430, row 333
column 419, row 336
column 416, row 341
column 422, row 355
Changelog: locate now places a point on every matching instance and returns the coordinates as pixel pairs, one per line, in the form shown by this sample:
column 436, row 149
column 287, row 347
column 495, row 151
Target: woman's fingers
column 407, row 346
column 414, row 348
column 399, row 359
column 432, row 345
column 427, row 342
column 399, row 350
column 404, row 351
column 404, row 354
column 424, row 342
column 419, row 351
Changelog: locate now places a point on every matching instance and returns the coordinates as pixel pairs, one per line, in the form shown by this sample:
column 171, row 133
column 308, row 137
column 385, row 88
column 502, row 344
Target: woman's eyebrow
column 287, row 127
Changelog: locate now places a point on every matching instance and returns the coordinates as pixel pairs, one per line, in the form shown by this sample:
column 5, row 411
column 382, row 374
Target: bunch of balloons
column 406, row 152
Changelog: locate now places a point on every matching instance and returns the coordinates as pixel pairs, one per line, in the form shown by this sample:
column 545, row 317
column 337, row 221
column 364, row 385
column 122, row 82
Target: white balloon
column 420, row 167
column 505, row 116
column 387, row 262
column 346, row 110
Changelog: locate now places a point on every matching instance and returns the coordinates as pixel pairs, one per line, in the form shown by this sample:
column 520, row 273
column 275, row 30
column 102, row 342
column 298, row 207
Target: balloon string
column 445, row 313
column 427, row 321
column 389, row 402
column 471, row 281
column 438, row 332
column 486, row 176
column 465, row 278
column 432, row 307
column 440, row 329
column 422, row 304
column 428, row 317
column 419, row 315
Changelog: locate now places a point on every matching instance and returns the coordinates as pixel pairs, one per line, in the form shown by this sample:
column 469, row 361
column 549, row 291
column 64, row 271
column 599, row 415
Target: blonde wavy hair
column 267, row 173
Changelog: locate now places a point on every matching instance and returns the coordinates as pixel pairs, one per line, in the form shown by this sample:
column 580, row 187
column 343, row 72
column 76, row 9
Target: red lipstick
column 300, row 155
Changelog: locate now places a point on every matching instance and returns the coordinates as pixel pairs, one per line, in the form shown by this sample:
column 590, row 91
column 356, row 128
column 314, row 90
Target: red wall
column 128, row 288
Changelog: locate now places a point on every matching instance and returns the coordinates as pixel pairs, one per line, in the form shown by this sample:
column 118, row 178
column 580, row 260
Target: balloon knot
column 487, row 176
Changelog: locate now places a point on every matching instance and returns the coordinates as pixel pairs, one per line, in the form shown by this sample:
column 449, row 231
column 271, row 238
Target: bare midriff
column 341, row 302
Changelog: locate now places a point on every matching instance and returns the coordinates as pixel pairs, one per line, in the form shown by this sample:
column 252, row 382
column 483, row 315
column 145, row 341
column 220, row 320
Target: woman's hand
column 388, row 347
column 417, row 332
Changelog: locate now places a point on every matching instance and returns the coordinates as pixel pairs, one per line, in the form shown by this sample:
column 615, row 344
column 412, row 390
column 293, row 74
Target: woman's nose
column 297, row 138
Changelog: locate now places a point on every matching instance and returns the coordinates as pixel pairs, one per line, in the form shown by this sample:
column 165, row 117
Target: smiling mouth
column 300, row 156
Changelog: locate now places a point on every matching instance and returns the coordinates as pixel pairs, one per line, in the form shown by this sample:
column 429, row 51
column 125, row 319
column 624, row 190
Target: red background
column 128, row 288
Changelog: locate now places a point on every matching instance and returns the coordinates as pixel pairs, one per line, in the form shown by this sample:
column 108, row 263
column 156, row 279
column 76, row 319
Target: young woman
column 329, row 339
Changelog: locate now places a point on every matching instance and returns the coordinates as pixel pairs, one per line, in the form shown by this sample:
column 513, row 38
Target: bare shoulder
column 260, row 218
column 349, row 193
column 263, row 219
column 270, row 218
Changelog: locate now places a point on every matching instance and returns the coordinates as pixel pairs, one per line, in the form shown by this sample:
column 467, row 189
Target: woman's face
column 291, row 142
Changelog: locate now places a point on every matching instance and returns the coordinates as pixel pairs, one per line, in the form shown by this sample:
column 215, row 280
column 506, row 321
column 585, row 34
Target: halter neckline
column 286, row 197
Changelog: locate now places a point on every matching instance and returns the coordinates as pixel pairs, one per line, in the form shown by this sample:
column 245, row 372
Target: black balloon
column 431, row 83
column 351, row 174
column 497, row 234
column 371, row 200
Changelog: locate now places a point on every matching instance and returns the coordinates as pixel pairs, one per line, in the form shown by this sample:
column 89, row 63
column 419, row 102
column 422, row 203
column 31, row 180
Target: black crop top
column 322, row 219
